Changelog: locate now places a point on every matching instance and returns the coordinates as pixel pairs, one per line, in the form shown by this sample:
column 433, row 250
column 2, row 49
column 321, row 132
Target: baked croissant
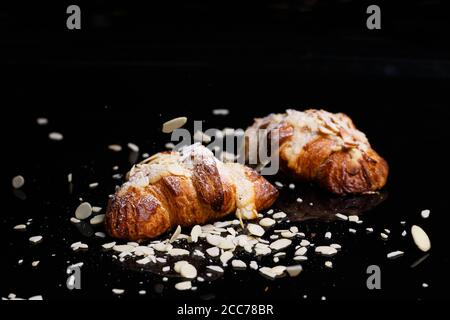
column 325, row 148
column 184, row 188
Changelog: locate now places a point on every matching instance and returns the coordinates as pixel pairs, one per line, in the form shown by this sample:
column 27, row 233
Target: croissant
column 184, row 188
column 325, row 148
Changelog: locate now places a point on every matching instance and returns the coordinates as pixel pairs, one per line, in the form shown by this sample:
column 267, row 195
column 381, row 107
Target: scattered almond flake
column 270, row 212
column 100, row 234
column 384, row 236
column 420, row 238
column 223, row 224
column 279, row 215
column 287, row 234
column 142, row 292
column 74, row 220
column 109, row 245
column 169, row 145
column 336, row 246
column 187, row 270
column 231, row 231
column 220, row 112
column 83, row 211
column 279, row 254
column 195, row 233
column 162, row 247
column 175, row 234
column 115, row 168
column 145, row 155
column 305, row 243
column 293, row 229
column 12, row 296
column 225, row 257
column 118, row 291
column 299, row 200
column 294, row 270
column 280, row 244
column 20, row 227
column 143, row 251
column 171, row 125
column 291, row 186
column 20, row 261
column 328, row 235
column 323, row 298
column 42, row 121
column 123, row 248
column 100, row 218
column 238, row 264
column 279, row 270
column 184, row 285
column 227, row 244
column 353, row 218
column 18, row 182
column 166, row 269
column 214, row 240
column 93, row 185
column 177, row 252
column 328, row 264
column 255, row 229
column 327, row 251
column 404, row 233
column 133, row 147
column 301, row 251
column 55, row 136
column 279, row 184
column 341, row 216
column 274, row 237
column 215, row 268
column 69, row 178
column 35, row 239
column 267, row 272
column 178, row 265
column 35, row 263
column 267, row 222
column 394, row 254
column 143, row 261
column 311, row 204
column 424, row 285
column 402, row 223
column 300, row 258
column 387, row 231
column 115, row 147
column 96, row 209
column 369, row 230
column 165, row 279
column 425, row 213
column 276, row 259
column 36, row 298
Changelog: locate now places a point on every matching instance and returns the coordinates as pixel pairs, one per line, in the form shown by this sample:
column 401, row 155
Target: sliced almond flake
column 200, row 279
column 166, row 269
column 384, row 236
column 387, row 231
column 215, row 268
column 267, row 272
column 336, row 246
column 161, row 260
column 280, row 244
column 109, row 245
column 279, row 184
column 287, row 234
column 231, row 231
column 279, row 215
column 162, row 247
column 238, row 264
column 171, row 125
column 175, row 234
column 291, row 186
column 353, row 218
column 404, row 233
column 93, row 185
column 195, row 233
column 98, row 219
column 300, row 258
column 178, row 265
column 18, row 182
column 369, row 230
column 142, row 292
column 115, row 147
column 328, row 235
column 169, row 145
column 351, row 230
column 118, row 291
column 184, row 285
column 132, row 243
column 225, row 257
column 301, row 251
column 328, row 264
column 35, row 263
column 255, row 229
column 42, row 121
column 199, row 253
column 253, row 265
column 305, row 243
column 327, row 251
column 123, row 248
column 425, row 213
column 274, row 237
column 55, row 136
column 83, row 211
column 133, row 147
column 420, row 238
column 214, row 240
column 279, row 270
column 35, row 239
column 20, row 227
column 294, row 271
column 75, row 220
column 341, row 216
column 395, row 254
column 177, row 252
column 220, row 112
column 100, row 234
column 267, row 222
column 270, row 212
column 143, row 261
column 187, row 270
column 227, row 244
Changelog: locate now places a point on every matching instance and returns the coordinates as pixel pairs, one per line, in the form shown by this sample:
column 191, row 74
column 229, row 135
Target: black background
column 131, row 67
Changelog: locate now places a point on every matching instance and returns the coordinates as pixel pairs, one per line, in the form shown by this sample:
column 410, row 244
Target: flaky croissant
column 325, row 148
column 184, row 188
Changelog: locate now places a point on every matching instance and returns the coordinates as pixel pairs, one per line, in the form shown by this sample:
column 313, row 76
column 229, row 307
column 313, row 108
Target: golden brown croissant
column 325, row 148
column 184, row 188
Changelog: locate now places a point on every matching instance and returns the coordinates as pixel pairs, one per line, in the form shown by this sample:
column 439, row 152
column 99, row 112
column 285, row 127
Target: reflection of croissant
column 184, row 188
column 325, row 148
